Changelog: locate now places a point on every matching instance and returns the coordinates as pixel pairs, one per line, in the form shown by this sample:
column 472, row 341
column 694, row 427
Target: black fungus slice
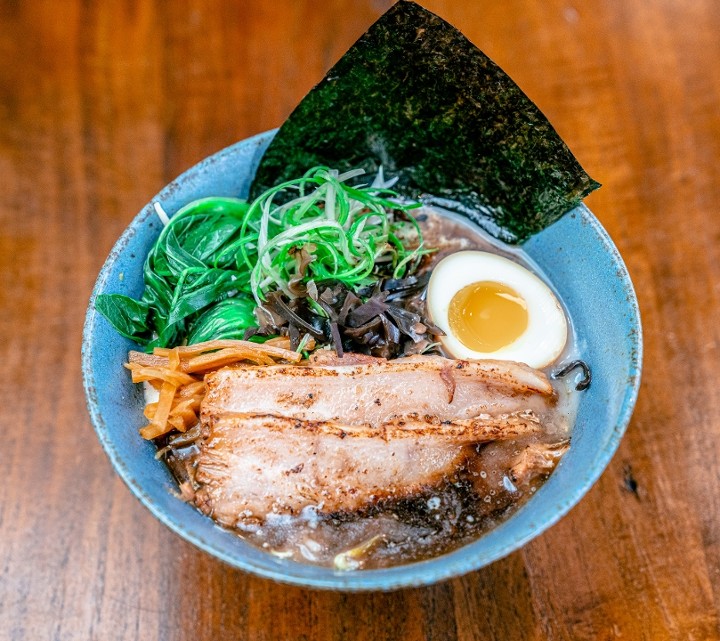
column 364, row 323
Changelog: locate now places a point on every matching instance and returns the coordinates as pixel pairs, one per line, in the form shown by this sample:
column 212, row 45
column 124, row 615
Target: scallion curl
column 351, row 232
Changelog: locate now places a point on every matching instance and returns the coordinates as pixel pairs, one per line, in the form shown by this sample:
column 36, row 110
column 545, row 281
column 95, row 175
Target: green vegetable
column 216, row 254
column 228, row 319
column 128, row 316
column 348, row 234
column 190, row 268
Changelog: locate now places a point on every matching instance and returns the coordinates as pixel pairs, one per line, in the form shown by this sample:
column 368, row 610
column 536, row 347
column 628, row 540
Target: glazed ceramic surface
column 586, row 270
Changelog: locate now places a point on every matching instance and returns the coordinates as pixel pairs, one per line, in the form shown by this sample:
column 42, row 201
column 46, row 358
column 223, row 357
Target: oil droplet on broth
column 487, row 316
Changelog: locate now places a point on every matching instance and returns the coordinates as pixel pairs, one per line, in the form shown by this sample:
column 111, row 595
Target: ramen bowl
column 587, row 272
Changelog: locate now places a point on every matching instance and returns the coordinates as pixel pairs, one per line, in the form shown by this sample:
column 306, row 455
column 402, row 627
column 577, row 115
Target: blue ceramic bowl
column 575, row 252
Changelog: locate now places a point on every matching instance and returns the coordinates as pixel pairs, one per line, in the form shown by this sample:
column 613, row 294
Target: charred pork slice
column 251, row 466
column 372, row 393
column 340, row 437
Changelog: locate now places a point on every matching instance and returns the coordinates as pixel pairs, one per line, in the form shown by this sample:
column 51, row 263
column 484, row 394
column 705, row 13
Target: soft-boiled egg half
column 491, row 307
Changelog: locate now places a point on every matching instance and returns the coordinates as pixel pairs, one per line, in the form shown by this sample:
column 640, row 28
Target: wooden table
column 103, row 103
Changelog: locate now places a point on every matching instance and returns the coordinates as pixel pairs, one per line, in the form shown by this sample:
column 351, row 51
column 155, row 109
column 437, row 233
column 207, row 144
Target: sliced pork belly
column 374, row 392
column 251, row 465
column 343, row 436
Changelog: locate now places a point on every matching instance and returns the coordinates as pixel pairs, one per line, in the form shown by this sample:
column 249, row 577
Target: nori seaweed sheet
column 417, row 97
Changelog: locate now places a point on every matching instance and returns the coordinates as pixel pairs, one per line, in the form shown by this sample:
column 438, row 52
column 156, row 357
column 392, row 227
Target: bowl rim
column 415, row 574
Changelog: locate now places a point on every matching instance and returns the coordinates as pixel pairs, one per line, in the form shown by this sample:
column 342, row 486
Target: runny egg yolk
column 487, row 316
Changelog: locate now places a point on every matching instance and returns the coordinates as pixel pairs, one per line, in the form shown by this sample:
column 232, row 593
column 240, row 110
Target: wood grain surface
column 102, row 103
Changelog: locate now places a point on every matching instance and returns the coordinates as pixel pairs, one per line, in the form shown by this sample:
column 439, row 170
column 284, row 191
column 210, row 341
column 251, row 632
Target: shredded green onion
column 352, row 233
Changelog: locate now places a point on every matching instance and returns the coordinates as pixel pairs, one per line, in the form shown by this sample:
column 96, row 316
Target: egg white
column 547, row 331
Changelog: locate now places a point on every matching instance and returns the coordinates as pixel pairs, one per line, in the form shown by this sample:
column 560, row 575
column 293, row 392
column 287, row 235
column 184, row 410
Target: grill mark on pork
column 304, row 399
column 446, row 375
column 479, row 429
